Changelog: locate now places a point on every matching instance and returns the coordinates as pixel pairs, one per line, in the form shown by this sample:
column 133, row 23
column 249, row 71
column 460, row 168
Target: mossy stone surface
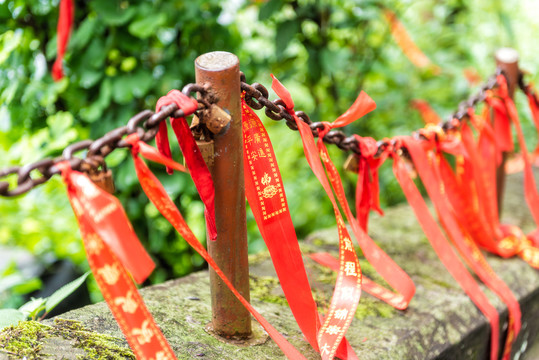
column 62, row 339
column 440, row 323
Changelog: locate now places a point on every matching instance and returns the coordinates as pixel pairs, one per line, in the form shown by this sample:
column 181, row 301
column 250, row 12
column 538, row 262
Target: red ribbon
column 502, row 124
column 528, row 248
column 348, row 286
column 437, row 239
column 487, row 148
column 428, row 115
column 159, row 197
column 368, row 185
column 65, row 23
column 530, row 189
column 482, row 197
column 384, row 265
column 534, row 109
column 533, row 102
column 111, row 247
column 105, row 214
column 396, row 300
column 265, row 193
column 459, row 223
column 369, row 164
column 534, row 105
column 193, row 158
column 267, row 198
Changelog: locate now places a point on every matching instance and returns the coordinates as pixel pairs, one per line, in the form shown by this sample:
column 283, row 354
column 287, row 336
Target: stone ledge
column 441, row 322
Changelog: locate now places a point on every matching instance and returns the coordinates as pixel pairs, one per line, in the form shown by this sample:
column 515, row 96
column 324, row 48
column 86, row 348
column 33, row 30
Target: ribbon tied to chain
column 114, row 254
column 155, row 191
column 193, row 157
column 348, row 286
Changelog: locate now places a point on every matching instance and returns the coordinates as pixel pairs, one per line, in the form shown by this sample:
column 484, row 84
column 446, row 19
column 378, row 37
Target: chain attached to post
column 224, row 155
column 145, row 123
column 256, row 96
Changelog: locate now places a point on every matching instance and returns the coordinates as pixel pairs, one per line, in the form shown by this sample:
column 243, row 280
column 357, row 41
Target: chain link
column 145, row 124
column 475, row 99
column 256, row 96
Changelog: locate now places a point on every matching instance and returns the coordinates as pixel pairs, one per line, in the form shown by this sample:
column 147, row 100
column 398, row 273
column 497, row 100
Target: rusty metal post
column 507, row 61
column 229, row 318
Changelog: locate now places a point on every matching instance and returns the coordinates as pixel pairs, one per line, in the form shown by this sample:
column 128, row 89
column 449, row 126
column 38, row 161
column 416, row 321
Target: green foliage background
column 124, row 55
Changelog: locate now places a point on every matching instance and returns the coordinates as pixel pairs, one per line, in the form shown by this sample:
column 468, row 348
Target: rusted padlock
column 216, row 119
column 103, row 178
column 194, row 122
column 352, row 163
column 207, row 150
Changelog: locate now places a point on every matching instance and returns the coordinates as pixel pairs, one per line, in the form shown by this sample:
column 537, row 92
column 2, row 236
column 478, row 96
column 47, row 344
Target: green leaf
column 33, row 307
column 50, row 96
column 269, row 8
column 90, row 77
column 50, row 48
column 94, row 111
column 508, row 26
column 95, row 54
column 83, row 34
column 59, row 123
column 27, row 286
column 112, row 12
column 147, row 26
column 10, row 317
column 135, row 84
column 333, row 60
column 9, row 41
column 59, row 295
column 285, row 33
column 121, row 89
column 91, row 113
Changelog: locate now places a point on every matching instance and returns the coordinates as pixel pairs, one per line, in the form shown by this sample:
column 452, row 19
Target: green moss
column 23, row 340
column 28, row 337
column 438, row 282
column 322, row 300
column 373, row 307
column 262, row 288
column 324, row 274
column 97, row 346
column 317, row 241
column 258, row 258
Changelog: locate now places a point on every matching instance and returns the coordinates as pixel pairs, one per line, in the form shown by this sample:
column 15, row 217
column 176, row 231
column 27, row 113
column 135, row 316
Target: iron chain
column 256, row 96
column 146, row 124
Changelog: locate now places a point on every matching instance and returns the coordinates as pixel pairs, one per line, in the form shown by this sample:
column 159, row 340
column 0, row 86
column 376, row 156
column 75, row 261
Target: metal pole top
column 507, row 61
column 506, row 55
column 216, row 61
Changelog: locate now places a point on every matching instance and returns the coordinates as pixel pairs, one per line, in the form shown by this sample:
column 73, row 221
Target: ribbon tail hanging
column 121, row 295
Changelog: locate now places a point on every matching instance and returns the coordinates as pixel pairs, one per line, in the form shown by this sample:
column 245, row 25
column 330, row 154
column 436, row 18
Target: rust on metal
column 229, row 318
column 352, row 163
column 104, row 180
column 507, row 62
column 256, row 96
column 146, row 124
column 217, row 120
column 207, row 150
